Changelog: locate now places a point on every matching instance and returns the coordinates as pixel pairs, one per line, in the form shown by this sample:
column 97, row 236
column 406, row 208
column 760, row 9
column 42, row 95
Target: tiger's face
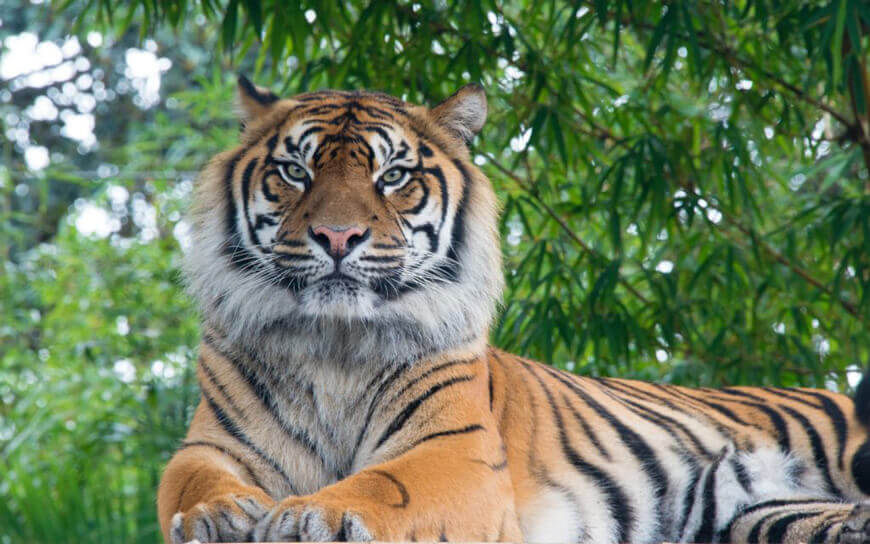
column 348, row 208
column 353, row 211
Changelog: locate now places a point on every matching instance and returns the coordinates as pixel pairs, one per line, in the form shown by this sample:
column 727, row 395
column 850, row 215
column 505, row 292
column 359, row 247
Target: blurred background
column 685, row 188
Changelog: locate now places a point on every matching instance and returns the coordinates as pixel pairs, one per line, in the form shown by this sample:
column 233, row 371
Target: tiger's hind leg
column 800, row 520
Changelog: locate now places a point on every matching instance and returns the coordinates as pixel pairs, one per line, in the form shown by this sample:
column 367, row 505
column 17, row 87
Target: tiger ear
column 463, row 113
column 252, row 101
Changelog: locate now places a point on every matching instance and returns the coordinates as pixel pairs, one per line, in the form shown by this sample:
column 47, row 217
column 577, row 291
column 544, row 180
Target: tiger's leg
column 800, row 520
column 208, row 493
column 431, row 494
column 442, row 474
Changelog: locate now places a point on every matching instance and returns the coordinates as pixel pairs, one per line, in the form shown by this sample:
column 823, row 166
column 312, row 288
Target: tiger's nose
column 338, row 241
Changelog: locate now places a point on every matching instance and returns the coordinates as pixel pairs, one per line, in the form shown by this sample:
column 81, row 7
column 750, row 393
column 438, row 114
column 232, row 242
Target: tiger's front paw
column 305, row 520
column 229, row 518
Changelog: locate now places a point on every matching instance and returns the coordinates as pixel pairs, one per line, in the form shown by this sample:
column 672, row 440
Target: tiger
column 346, row 260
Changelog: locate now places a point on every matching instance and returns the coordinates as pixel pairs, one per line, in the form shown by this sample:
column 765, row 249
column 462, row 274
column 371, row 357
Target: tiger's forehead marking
column 371, row 135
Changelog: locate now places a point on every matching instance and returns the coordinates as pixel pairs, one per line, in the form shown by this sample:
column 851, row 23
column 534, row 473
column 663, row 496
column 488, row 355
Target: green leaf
column 228, row 27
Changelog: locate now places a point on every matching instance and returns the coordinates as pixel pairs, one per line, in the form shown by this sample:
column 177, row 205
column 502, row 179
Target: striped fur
column 353, row 397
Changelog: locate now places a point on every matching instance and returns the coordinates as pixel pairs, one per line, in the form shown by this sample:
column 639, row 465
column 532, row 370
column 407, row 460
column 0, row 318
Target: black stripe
column 660, row 419
column 689, row 499
column 497, row 467
column 777, row 530
column 464, row 430
column 641, row 394
column 429, row 372
column 374, row 403
column 306, row 133
column 725, row 411
column 220, row 387
column 633, row 441
column 228, row 453
column 457, row 234
column 399, row 421
column 384, row 136
column 742, row 475
column 761, row 404
column 264, row 185
column 536, row 468
column 782, row 393
column 293, row 257
column 680, row 393
column 838, row 420
column 738, row 393
column 228, row 520
column 264, row 219
column 685, row 404
column 400, row 487
column 820, row 536
column 489, row 386
column 380, row 258
column 429, row 231
column 251, row 91
column 262, row 391
column 424, row 199
column 292, row 243
column 238, row 254
column 708, row 514
column 819, row 454
column 233, row 430
column 756, row 529
column 587, row 429
column 783, row 436
column 777, row 503
column 246, row 196
column 618, row 504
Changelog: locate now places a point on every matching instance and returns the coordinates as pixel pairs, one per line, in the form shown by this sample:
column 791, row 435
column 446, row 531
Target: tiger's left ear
column 252, row 101
column 463, row 113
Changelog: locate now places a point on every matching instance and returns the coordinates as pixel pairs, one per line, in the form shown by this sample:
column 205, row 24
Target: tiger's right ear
column 463, row 113
column 252, row 101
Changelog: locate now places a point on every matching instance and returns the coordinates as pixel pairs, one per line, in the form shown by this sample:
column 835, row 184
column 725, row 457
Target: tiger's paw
column 229, row 518
column 301, row 520
column 856, row 528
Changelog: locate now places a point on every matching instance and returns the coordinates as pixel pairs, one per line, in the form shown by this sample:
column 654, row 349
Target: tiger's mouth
column 337, row 276
column 364, row 279
column 337, row 293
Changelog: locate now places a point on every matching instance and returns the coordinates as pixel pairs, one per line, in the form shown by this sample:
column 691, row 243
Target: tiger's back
column 346, row 259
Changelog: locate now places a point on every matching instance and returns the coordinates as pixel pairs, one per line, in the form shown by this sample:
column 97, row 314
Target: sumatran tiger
column 346, row 259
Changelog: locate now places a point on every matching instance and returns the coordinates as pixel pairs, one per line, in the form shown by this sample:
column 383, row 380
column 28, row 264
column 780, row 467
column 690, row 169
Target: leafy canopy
column 683, row 182
column 685, row 188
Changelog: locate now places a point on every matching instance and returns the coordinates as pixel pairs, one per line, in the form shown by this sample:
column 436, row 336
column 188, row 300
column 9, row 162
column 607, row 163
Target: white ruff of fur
column 273, row 321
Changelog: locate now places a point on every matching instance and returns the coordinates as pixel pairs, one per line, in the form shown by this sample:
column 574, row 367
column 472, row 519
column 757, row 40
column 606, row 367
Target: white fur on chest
column 332, row 409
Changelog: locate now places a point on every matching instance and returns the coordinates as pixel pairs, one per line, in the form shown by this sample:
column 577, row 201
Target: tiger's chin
column 339, row 298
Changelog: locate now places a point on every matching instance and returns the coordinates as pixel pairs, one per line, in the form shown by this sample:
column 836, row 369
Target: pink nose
column 338, row 241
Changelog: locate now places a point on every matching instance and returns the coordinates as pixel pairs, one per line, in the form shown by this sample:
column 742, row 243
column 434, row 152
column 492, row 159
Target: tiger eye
column 392, row 176
column 295, row 171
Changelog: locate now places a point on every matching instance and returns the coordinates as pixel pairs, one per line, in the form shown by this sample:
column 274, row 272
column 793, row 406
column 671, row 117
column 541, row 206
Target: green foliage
column 685, row 188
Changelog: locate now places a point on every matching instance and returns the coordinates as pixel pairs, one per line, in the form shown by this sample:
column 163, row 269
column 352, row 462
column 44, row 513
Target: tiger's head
column 349, row 226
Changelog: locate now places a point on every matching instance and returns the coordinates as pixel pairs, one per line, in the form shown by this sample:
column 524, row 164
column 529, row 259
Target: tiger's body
column 347, row 266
